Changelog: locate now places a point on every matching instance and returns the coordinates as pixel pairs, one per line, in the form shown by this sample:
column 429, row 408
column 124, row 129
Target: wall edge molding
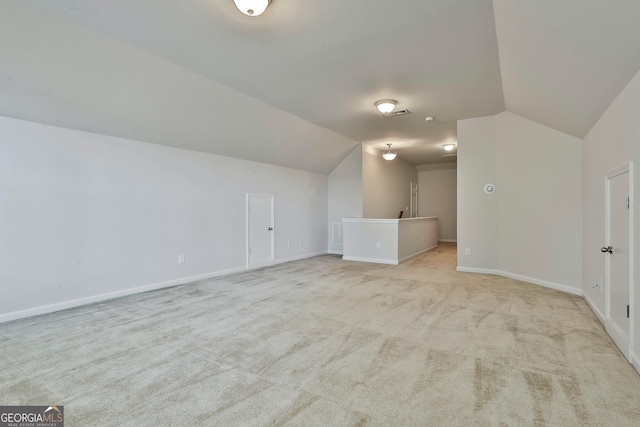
column 63, row 305
column 635, row 360
column 299, row 257
column 593, row 308
column 417, row 254
column 372, row 260
column 544, row 283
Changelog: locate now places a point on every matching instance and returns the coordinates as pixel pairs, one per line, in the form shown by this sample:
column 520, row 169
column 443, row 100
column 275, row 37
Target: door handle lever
column 270, row 228
column 605, row 249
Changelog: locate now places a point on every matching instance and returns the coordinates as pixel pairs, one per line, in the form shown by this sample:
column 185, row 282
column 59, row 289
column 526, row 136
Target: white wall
column 477, row 211
column 345, row 193
column 532, row 224
column 437, row 196
column 385, row 185
column 612, row 142
column 540, row 203
column 388, row 241
column 83, row 215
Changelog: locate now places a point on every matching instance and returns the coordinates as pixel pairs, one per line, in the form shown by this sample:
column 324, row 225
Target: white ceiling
column 558, row 62
column 564, row 61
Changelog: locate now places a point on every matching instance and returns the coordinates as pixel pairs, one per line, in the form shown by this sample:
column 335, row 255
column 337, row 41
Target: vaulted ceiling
column 198, row 74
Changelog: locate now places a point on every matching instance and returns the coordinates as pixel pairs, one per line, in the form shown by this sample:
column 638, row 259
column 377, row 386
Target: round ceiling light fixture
column 449, row 147
column 389, row 155
column 252, row 7
column 386, row 105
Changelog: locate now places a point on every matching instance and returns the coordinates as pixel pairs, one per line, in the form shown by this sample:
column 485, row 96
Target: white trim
column 387, row 220
column 618, row 171
column 620, row 339
column 593, row 308
column 635, row 360
column 631, row 265
column 63, row 305
column 546, row 284
column 478, row 270
column 413, row 200
column 335, row 252
column 448, row 240
column 299, row 257
column 624, row 342
column 412, row 256
column 373, row 260
column 271, row 260
column 266, row 263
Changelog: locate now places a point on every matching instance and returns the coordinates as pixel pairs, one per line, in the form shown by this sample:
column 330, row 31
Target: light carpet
column 324, row 342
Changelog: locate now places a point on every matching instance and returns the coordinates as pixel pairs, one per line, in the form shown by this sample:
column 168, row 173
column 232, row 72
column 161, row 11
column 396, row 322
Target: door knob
column 270, row 228
column 606, row 249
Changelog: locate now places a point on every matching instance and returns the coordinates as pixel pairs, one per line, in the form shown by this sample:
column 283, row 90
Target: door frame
column 610, row 327
column 272, row 258
column 413, row 196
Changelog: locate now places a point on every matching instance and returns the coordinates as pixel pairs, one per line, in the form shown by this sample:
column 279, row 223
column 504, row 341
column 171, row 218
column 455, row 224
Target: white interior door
column 617, row 252
column 260, row 233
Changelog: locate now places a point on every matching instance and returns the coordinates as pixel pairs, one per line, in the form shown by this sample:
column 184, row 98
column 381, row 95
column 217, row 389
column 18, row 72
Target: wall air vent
column 394, row 113
column 337, row 233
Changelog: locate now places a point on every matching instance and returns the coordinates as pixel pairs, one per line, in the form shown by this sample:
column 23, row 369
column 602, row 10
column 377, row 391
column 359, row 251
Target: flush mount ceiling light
column 252, row 7
column 386, row 105
column 389, row 155
column 449, row 147
column 429, row 119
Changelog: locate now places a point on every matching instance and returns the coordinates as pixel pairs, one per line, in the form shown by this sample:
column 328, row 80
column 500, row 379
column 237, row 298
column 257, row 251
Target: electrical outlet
column 378, row 245
column 180, row 259
column 288, row 244
column 300, row 243
column 598, row 284
column 467, row 251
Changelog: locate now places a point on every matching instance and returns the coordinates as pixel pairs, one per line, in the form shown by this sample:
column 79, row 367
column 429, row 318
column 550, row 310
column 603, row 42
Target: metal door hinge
column 627, row 203
column 627, row 312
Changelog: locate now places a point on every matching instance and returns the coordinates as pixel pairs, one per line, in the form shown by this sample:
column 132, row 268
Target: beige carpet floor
column 324, row 342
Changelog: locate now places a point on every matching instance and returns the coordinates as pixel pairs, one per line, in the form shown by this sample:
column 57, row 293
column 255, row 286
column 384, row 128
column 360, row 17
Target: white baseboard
column 619, row 338
column 448, row 240
column 616, row 335
column 593, row 308
column 35, row 311
column 299, row 257
column 535, row 281
column 261, row 264
column 373, row 260
column 635, row 360
column 479, row 270
column 417, row 254
column 334, row 252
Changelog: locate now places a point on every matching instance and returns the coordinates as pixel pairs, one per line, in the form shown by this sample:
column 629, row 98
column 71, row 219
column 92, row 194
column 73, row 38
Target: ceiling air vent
column 394, row 113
